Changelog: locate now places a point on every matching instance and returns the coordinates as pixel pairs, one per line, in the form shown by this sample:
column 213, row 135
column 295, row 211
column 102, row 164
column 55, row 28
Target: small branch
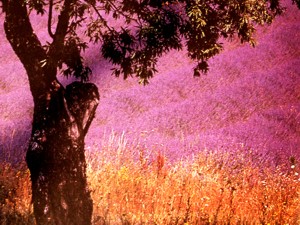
column 3, row 6
column 57, row 46
column 50, row 19
column 101, row 18
column 129, row 17
column 121, row 12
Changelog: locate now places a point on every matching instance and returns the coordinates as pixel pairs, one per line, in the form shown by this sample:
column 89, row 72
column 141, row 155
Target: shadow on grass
column 13, row 145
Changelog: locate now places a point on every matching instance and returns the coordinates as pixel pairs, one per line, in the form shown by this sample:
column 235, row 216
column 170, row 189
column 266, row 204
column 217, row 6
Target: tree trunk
column 61, row 119
column 56, row 155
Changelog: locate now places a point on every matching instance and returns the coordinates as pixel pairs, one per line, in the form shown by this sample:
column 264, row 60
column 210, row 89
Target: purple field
column 249, row 99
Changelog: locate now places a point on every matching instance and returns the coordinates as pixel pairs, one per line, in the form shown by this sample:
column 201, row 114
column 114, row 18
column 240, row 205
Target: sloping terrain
column 249, row 99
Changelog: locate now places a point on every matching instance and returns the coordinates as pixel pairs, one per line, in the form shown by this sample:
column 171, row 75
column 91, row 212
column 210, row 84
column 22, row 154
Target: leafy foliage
column 151, row 28
column 297, row 2
column 73, row 60
column 156, row 27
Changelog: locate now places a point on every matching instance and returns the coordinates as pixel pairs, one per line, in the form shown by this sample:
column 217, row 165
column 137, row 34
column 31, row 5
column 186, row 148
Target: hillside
column 250, row 99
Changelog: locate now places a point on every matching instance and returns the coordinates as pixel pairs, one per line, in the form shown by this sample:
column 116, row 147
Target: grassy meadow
column 134, row 185
column 220, row 149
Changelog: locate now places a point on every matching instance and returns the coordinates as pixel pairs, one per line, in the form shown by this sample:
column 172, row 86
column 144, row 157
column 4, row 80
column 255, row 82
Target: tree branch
column 50, row 19
column 57, row 46
column 127, row 17
column 4, row 5
column 25, row 43
column 101, row 17
column 63, row 21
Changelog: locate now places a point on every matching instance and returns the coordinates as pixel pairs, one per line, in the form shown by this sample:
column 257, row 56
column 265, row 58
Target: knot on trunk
column 82, row 100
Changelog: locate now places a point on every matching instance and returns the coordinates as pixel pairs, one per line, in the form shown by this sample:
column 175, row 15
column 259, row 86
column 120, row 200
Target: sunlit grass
column 15, row 194
column 136, row 185
column 131, row 185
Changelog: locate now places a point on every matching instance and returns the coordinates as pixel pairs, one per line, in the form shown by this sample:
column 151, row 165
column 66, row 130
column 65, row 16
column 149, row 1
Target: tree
column 62, row 116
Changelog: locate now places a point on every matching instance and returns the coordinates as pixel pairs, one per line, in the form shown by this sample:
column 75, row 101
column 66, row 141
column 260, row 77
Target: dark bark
column 61, row 120
column 56, row 156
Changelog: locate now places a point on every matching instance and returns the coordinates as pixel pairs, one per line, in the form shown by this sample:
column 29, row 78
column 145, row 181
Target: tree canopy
column 143, row 30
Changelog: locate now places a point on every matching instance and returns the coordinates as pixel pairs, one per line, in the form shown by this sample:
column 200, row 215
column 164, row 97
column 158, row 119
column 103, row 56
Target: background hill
column 250, row 99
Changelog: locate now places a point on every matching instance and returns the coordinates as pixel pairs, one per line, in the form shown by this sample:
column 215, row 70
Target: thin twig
column 101, row 18
column 50, row 19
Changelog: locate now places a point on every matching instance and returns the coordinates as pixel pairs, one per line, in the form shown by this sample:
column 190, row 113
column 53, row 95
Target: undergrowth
column 136, row 185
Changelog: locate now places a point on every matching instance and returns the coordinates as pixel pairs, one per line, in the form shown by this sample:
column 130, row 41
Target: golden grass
column 15, row 194
column 131, row 185
column 135, row 186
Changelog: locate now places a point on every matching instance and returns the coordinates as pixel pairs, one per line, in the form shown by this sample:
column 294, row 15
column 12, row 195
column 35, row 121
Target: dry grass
column 133, row 185
column 15, row 194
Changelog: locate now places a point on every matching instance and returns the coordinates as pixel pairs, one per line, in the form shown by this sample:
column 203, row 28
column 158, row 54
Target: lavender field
column 249, row 99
